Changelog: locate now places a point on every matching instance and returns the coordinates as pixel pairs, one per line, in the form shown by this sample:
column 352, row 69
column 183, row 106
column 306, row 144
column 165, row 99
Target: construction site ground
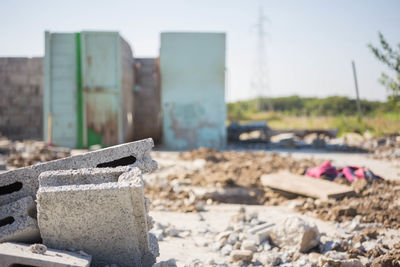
column 197, row 197
column 195, row 223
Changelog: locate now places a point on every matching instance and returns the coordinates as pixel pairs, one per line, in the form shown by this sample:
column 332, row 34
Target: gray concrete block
column 105, row 219
column 14, row 254
column 18, row 221
column 23, row 182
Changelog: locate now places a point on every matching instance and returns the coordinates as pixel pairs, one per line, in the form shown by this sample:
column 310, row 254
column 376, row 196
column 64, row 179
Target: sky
column 309, row 44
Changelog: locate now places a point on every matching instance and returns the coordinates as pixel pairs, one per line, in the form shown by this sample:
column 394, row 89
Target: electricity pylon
column 260, row 77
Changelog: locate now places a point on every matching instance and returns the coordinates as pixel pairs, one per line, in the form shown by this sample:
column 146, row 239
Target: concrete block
column 23, row 182
column 14, row 254
column 105, row 219
column 18, row 221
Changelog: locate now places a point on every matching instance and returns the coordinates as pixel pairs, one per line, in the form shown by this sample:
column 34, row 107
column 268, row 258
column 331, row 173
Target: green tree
column 391, row 58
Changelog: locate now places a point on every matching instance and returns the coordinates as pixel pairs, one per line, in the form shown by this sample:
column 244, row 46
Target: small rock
column 38, row 248
column 249, row 245
column 386, row 261
column 233, row 238
column 359, row 185
column 223, row 235
column 242, row 255
column 326, row 262
column 226, row 250
column 167, row 263
column 296, row 234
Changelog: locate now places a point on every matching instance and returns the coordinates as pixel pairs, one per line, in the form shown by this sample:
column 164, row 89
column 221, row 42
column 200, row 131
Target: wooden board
column 305, row 186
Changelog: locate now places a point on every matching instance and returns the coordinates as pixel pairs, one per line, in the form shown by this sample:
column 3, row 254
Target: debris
column 167, row 263
column 295, row 233
column 18, row 221
column 38, row 248
column 95, row 213
column 242, row 255
column 14, row 254
column 387, row 260
column 305, row 186
column 22, row 182
column 377, row 203
column 326, row 262
column 351, row 173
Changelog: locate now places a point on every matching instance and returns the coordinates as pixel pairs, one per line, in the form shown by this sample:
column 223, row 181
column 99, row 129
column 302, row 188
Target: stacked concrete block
column 102, row 212
column 12, row 254
column 19, row 183
column 21, row 97
column 18, row 221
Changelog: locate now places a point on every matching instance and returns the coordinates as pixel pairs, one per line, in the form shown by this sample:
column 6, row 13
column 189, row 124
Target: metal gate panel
column 101, row 85
column 60, row 89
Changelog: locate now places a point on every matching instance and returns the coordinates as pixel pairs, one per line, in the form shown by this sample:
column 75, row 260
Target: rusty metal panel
column 148, row 120
column 192, row 67
column 101, row 83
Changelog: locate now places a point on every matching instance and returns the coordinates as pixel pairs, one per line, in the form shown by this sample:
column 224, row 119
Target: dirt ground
column 191, row 192
column 196, row 195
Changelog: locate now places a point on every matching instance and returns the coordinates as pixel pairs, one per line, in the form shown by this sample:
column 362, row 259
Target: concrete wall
column 192, row 67
column 21, row 104
column 147, row 118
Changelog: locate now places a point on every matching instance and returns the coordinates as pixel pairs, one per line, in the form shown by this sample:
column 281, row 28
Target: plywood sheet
column 305, row 186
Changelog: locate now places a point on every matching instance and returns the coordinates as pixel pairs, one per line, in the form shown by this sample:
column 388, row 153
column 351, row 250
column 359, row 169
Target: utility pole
column 357, row 94
column 260, row 79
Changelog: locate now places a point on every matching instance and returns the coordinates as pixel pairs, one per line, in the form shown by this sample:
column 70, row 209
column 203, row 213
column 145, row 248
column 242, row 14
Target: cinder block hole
column 21, row 265
column 6, row 221
column 32, row 212
column 118, row 162
column 11, row 188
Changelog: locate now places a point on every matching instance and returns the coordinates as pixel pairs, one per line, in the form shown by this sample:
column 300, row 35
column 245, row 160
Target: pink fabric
column 347, row 173
column 351, row 173
column 324, row 168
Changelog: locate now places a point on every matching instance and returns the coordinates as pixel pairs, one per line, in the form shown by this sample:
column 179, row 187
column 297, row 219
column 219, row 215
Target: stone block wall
column 21, row 103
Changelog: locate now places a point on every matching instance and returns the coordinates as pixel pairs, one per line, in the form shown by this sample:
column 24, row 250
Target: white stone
column 249, row 245
column 296, row 234
column 226, row 250
column 242, row 255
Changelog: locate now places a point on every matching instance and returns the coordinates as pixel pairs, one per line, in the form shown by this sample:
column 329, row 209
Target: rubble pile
column 84, row 203
column 376, row 201
column 25, row 153
column 380, row 147
column 228, row 176
column 249, row 241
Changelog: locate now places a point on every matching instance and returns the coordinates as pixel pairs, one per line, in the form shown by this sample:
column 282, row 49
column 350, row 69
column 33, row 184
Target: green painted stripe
column 80, row 91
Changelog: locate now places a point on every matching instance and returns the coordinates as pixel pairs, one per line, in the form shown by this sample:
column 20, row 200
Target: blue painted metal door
column 101, row 85
column 60, row 89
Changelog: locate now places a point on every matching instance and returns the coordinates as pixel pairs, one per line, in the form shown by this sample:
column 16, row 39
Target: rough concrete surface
column 14, row 254
column 107, row 220
column 295, row 233
column 18, row 222
column 22, row 182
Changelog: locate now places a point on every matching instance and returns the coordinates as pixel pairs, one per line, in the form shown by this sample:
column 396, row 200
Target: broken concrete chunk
column 296, row 234
column 168, row 263
column 22, row 182
column 14, row 254
column 18, row 221
column 38, row 248
column 108, row 220
column 242, row 255
column 326, row 262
